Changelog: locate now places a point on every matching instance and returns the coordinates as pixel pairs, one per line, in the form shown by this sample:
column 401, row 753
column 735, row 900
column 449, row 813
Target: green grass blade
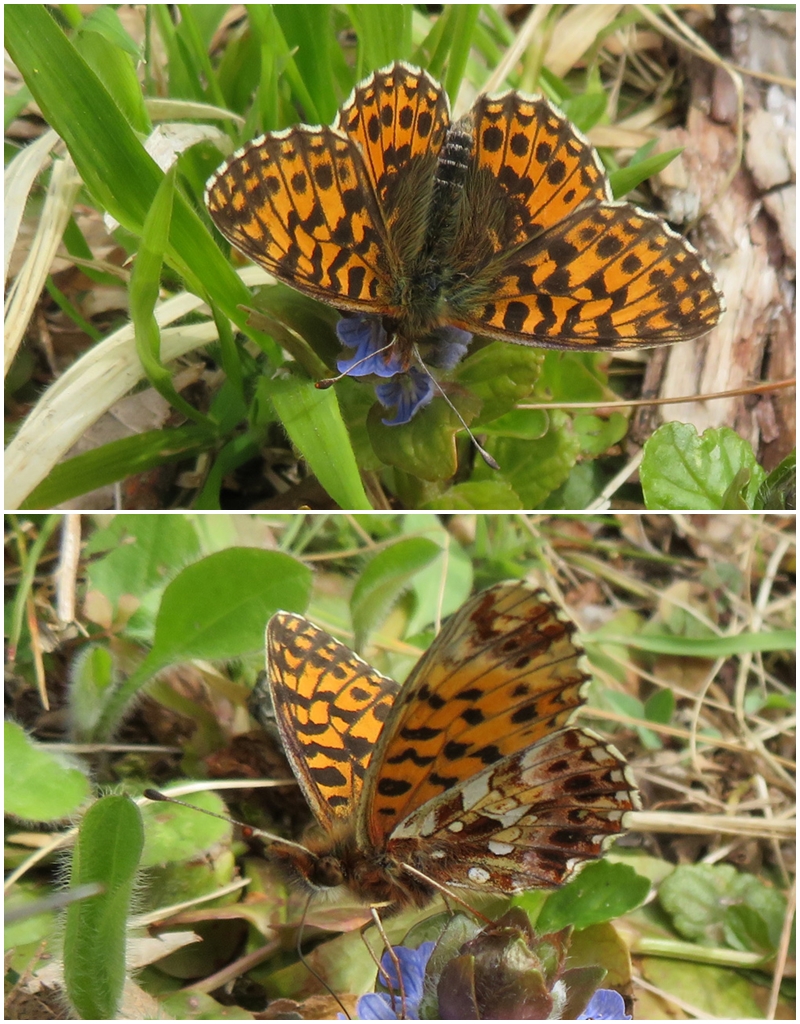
column 312, row 419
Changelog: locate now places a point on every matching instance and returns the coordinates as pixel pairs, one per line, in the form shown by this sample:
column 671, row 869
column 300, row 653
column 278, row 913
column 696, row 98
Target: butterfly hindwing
column 330, row 707
column 529, row 820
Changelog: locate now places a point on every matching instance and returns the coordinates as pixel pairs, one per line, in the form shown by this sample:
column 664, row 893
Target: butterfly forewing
column 503, row 674
column 528, row 821
column 300, row 204
column 330, row 707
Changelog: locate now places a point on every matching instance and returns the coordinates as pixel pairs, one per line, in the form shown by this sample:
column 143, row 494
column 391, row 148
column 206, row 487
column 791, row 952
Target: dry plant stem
column 761, row 788
column 521, row 42
column 369, row 543
column 697, row 796
column 101, row 377
column 24, row 293
column 234, row 970
column 66, row 573
column 699, row 702
column 393, row 957
column 695, row 823
column 783, row 951
column 437, row 625
column 671, row 730
column 757, row 389
column 36, row 650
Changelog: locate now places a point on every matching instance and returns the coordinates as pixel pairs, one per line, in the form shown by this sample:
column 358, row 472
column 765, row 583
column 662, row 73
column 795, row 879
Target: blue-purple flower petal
column 410, row 389
column 366, row 335
column 605, row 1004
column 407, row 391
column 448, row 347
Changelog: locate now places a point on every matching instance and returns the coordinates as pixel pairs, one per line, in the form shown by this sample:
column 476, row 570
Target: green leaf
column 446, row 583
column 383, row 32
column 601, row 892
column 140, row 553
column 627, row 178
column 683, row 471
column 425, row 447
column 91, row 680
column 116, row 461
column 779, row 490
column 579, row 490
column 501, row 375
column 144, row 294
column 484, row 494
column 216, row 608
column 313, row 421
column 524, row 424
column 107, row 852
column 176, row 833
column 535, row 468
column 384, row 579
column 110, row 52
column 660, row 707
column 598, row 433
column 39, row 785
column 109, row 156
column 700, row 647
column 715, row 905
column 574, row 377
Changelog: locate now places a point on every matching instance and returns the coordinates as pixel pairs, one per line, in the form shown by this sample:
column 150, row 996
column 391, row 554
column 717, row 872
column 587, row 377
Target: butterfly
column 501, row 223
column 467, row 776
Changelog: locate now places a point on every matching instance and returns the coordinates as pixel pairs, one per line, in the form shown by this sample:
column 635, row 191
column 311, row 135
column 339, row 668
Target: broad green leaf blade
column 384, row 579
column 683, row 471
column 217, row 608
column 601, row 892
column 39, row 786
column 175, row 833
column 107, row 852
column 312, row 419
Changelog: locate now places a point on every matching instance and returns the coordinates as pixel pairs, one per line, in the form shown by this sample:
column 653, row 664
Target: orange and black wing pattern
column 550, row 260
column 502, row 675
column 300, row 204
column 330, row 707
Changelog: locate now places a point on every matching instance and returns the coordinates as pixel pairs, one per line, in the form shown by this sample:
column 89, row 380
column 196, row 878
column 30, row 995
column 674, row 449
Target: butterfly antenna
column 248, row 830
column 487, row 458
column 307, row 965
column 327, row 382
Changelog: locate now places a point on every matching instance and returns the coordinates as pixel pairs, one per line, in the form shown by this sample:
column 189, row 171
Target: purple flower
column 408, row 391
column 366, row 335
column 379, row 1005
column 605, row 1004
column 410, row 388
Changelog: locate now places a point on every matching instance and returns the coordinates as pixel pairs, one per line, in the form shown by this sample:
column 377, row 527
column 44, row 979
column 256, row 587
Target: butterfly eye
column 326, row 872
